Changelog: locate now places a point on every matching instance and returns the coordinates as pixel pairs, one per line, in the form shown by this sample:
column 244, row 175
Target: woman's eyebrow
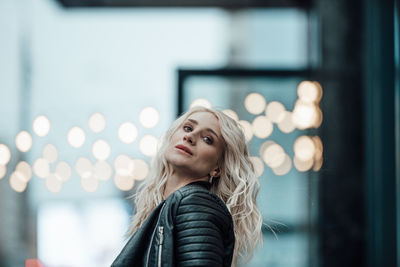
column 208, row 129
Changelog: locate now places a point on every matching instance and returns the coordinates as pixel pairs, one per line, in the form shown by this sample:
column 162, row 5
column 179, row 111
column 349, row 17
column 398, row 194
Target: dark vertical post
column 341, row 220
column 380, row 133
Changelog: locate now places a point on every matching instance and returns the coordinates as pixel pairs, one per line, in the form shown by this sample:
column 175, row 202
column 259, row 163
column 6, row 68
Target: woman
column 198, row 206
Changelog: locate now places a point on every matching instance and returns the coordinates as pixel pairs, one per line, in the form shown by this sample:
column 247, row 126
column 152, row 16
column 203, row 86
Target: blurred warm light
column 102, row 170
column 264, row 146
column 54, row 183
column 3, row 171
column 101, row 150
column 275, row 111
column 319, row 116
column 17, row 182
column 23, row 141
column 318, row 153
column 123, row 165
column 148, row 145
column 50, row 153
column 41, row 167
column 97, row 122
column 5, row 154
column 89, row 184
column 41, row 125
column 84, row 167
column 284, row 168
column 149, row 117
column 231, row 113
column 127, row 132
column 123, row 183
column 262, row 127
column 317, row 164
column 258, row 165
column 286, row 125
column 63, row 170
column 140, row 170
column 25, row 169
column 200, row 102
column 274, row 155
column 255, row 103
column 304, row 115
column 304, row 148
column 303, row 165
column 309, row 91
column 247, row 129
column 76, row 137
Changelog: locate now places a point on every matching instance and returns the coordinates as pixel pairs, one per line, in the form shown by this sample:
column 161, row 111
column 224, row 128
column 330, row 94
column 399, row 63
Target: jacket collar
column 204, row 184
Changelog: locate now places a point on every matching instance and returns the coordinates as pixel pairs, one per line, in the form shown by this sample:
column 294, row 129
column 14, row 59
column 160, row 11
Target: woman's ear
column 216, row 172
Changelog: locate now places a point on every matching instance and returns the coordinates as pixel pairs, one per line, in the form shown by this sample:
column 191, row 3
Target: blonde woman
column 198, row 206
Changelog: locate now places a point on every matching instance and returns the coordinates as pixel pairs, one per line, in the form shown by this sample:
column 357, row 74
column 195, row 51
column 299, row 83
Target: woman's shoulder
column 197, row 197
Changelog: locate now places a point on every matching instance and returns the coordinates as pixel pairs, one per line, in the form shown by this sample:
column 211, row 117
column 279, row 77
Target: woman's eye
column 208, row 140
column 187, row 128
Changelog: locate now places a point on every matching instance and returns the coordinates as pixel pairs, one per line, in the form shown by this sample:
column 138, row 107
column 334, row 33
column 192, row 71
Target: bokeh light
column 3, row 171
column 247, row 129
column 101, row 150
column 41, row 126
column 41, row 167
column 148, row 145
column 309, row 91
column 89, row 184
column 54, row 183
column 149, row 117
column 303, row 165
column 63, row 170
column 258, row 165
column 97, row 122
column 25, row 169
column 5, row 154
column 200, row 102
column 232, row 114
column 262, row 127
column 304, row 115
column 264, row 146
column 273, row 155
column 123, row 165
column 76, row 137
column 124, row 183
column 84, row 167
column 50, row 153
column 23, row 141
column 102, row 170
column 304, row 148
column 255, row 103
column 127, row 132
column 286, row 125
column 284, row 168
column 17, row 182
column 275, row 111
column 140, row 170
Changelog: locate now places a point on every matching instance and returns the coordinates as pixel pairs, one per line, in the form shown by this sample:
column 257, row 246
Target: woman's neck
column 176, row 181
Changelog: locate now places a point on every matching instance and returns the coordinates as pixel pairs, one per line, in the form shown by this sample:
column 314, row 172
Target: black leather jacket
column 192, row 227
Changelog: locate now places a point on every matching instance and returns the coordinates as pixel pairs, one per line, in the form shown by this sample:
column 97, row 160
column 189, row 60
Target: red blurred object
column 33, row 263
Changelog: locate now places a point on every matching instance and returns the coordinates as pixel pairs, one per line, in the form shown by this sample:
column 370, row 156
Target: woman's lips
column 184, row 149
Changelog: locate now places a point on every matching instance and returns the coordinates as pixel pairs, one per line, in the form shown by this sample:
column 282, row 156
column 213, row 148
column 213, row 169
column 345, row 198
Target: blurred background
column 87, row 88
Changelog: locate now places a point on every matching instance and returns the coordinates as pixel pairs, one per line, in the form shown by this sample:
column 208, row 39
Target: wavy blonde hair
column 237, row 185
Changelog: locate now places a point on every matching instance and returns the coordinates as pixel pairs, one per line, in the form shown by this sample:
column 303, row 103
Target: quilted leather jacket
column 192, row 227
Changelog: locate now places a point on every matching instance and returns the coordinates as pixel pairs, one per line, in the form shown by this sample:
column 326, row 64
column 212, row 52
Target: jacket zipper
column 152, row 236
column 160, row 243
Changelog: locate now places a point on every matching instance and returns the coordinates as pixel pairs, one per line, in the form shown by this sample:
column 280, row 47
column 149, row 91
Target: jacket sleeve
column 199, row 229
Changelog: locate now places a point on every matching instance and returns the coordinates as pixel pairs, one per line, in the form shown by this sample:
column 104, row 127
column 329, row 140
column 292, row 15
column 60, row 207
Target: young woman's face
column 196, row 146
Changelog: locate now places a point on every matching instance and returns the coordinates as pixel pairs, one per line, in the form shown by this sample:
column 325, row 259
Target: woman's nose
column 189, row 138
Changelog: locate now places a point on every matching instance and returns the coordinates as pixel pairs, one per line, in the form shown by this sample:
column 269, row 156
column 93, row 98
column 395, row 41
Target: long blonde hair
column 237, row 185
